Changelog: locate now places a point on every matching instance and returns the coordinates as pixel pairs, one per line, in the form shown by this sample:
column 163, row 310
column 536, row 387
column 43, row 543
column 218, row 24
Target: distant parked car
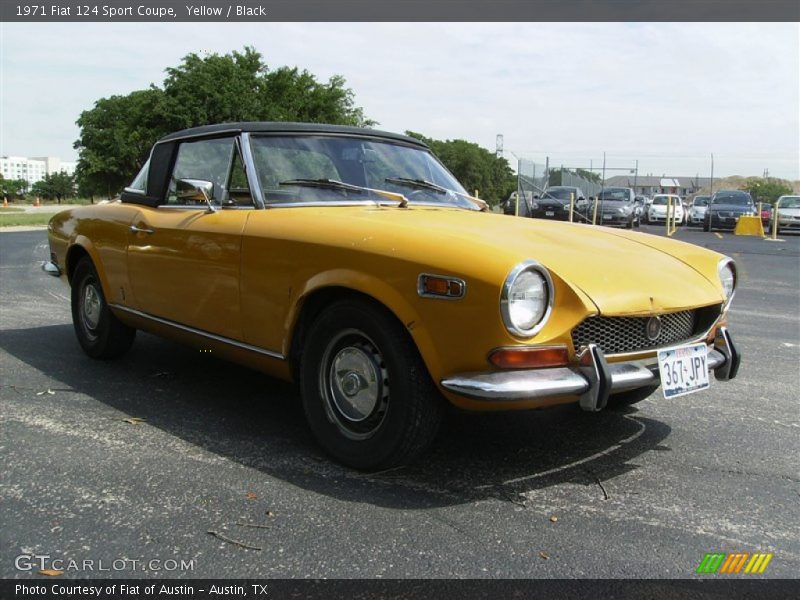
column 657, row 213
column 725, row 208
column 697, row 211
column 554, row 203
column 766, row 215
column 788, row 213
column 617, row 206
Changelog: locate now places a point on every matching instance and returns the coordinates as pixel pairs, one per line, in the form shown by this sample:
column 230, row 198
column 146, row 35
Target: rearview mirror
column 195, row 190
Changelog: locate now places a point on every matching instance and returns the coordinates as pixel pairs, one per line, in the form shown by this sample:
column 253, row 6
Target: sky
column 666, row 94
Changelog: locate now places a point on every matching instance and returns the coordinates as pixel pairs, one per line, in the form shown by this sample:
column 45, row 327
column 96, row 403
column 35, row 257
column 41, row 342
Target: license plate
column 608, row 217
column 684, row 369
column 549, row 213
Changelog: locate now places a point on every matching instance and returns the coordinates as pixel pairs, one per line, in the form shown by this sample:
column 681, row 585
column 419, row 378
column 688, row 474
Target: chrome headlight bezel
column 505, row 308
column 724, row 264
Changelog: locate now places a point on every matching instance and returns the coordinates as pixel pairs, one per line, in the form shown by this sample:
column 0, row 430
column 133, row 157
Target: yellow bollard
column 749, row 225
column 571, row 205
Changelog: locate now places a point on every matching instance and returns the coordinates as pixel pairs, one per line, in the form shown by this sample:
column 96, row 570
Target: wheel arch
column 317, row 297
column 79, row 248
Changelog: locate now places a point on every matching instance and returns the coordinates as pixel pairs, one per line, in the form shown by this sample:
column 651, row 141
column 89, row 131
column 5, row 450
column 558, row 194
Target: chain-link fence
column 534, row 178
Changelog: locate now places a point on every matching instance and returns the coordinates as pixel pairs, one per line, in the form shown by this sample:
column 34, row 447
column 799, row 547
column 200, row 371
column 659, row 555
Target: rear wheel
column 99, row 332
column 630, row 397
column 367, row 395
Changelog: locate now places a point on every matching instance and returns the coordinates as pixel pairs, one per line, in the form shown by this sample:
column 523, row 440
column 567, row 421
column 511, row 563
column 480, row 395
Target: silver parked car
column 788, row 213
column 697, row 210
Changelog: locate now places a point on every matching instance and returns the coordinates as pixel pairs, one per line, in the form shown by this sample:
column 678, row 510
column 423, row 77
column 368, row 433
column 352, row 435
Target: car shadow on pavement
column 257, row 421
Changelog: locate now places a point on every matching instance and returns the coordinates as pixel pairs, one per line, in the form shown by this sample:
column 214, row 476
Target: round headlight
column 727, row 277
column 526, row 299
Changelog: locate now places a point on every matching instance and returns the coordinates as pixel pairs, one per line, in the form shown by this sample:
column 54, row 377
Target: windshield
column 614, row 195
column 790, row 202
column 700, row 201
column 735, row 198
column 663, row 200
column 294, row 169
column 560, row 193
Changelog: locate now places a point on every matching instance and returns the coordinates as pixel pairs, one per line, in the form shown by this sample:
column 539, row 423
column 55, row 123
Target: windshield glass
column 560, row 193
column 790, row 202
column 700, row 201
column 614, row 195
column 283, row 160
column 735, row 198
column 663, row 200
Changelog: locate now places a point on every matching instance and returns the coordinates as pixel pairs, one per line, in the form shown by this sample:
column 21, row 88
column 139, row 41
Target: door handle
column 135, row 229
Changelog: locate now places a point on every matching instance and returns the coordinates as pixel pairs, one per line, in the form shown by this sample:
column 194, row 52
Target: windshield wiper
column 420, row 184
column 331, row 184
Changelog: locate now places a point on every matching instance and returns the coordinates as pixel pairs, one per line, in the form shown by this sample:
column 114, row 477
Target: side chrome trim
column 200, row 332
column 136, row 191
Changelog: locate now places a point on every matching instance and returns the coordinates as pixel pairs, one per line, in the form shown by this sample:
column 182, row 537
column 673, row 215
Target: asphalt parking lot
column 644, row 492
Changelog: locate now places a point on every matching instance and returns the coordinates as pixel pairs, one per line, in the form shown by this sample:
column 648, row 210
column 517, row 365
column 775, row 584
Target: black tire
column 629, row 224
column 630, row 397
column 99, row 332
column 382, row 409
column 706, row 225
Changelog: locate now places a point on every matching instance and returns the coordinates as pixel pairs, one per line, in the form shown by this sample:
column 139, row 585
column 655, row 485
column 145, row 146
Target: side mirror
column 195, row 190
column 581, row 198
column 592, row 198
column 536, row 196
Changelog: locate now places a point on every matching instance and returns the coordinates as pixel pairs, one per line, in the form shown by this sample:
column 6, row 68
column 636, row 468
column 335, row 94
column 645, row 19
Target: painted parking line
column 719, row 235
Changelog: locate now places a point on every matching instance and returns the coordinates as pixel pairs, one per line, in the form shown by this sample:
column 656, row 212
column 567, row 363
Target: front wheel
column 99, row 332
column 706, row 225
column 367, row 395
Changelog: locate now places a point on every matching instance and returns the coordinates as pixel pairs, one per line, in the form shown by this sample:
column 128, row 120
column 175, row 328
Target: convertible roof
column 280, row 127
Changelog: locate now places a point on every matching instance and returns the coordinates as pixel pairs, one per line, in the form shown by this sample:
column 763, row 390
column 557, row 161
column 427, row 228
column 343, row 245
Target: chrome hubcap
column 92, row 305
column 354, row 385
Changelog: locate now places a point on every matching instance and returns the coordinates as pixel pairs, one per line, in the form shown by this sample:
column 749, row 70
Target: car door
column 183, row 257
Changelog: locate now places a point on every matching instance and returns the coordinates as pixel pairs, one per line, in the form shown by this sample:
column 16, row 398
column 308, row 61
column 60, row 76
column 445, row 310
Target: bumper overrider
column 593, row 380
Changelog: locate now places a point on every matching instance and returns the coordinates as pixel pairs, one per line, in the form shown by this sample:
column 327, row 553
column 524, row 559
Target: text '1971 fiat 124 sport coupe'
column 351, row 262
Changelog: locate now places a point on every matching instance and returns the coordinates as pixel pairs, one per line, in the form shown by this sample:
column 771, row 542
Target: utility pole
column 635, row 177
column 711, row 191
column 498, row 147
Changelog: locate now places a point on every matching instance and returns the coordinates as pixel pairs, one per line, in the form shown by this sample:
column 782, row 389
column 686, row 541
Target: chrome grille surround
column 621, row 335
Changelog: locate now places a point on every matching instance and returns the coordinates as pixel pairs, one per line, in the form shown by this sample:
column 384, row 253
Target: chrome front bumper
column 51, row 268
column 594, row 380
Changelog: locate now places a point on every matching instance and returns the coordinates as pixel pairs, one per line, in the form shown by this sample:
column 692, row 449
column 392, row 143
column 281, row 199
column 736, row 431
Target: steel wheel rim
column 354, row 384
column 91, row 307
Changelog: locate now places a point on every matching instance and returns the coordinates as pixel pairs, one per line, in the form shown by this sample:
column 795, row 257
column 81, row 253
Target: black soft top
column 280, row 127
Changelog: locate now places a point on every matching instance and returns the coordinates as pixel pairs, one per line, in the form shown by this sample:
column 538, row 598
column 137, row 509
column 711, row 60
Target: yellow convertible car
column 352, row 262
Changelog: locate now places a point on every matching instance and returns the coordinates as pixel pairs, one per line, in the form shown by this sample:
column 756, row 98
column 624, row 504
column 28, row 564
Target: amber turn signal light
column 446, row 287
column 529, row 357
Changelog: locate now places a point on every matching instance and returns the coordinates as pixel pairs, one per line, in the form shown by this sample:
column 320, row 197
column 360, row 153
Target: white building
column 33, row 169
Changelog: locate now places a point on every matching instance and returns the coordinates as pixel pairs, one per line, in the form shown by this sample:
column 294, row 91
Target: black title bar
column 397, row 10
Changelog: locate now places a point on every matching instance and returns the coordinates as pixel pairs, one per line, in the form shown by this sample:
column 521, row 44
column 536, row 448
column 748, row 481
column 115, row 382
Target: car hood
column 602, row 266
column 730, row 207
column 789, row 212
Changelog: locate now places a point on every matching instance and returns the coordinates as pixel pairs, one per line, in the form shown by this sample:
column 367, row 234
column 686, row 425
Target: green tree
column 118, row 132
column 13, row 188
column 55, row 185
column 475, row 167
column 767, row 190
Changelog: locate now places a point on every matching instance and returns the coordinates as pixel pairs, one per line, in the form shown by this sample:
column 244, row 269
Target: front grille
column 617, row 335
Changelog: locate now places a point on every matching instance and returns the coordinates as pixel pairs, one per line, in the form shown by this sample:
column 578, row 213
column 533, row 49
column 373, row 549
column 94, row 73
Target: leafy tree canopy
column 117, row 134
column 767, row 190
column 13, row 188
column 55, row 185
column 475, row 167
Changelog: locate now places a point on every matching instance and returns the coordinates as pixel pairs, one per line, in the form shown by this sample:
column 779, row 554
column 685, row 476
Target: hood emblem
column 653, row 328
